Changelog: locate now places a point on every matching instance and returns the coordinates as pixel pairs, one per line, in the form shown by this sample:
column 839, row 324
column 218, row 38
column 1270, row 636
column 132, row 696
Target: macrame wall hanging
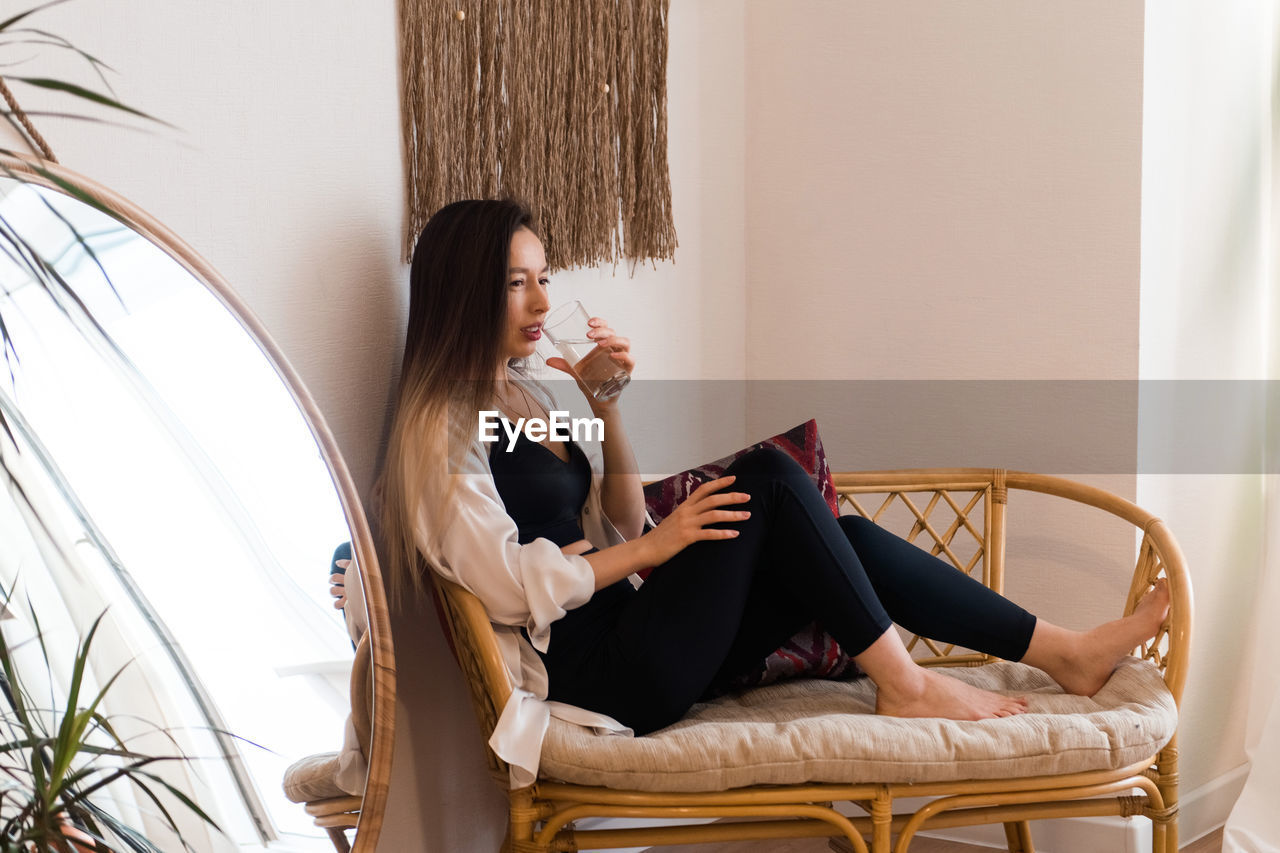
column 559, row 103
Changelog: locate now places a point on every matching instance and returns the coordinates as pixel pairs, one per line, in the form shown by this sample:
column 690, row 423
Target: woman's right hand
column 688, row 522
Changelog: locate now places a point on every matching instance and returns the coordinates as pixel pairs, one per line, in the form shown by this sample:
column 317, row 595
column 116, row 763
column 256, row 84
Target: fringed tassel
column 561, row 103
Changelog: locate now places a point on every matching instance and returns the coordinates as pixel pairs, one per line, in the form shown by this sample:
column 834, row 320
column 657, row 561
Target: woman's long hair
column 457, row 320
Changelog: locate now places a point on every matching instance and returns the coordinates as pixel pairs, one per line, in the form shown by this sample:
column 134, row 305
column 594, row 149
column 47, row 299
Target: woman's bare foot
column 1082, row 662
column 906, row 689
column 938, row 695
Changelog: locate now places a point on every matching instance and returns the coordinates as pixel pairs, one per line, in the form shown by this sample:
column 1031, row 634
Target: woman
column 548, row 544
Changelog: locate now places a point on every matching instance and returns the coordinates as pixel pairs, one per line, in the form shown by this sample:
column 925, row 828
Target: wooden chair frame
column 542, row 814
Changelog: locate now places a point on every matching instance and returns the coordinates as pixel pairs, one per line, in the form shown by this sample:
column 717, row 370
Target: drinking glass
column 566, row 329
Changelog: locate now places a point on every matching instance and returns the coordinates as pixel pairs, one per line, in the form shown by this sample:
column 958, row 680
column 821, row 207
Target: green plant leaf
column 70, row 797
column 108, row 726
column 76, row 192
column 88, row 95
column 84, row 775
column 136, row 776
column 18, row 17
column 121, row 830
column 90, row 715
column 68, row 117
column 8, row 347
column 16, row 695
column 101, row 723
column 151, row 795
column 21, row 743
column 113, row 752
column 39, row 635
column 84, row 246
column 182, row 798
column 74, row 721
column 52, row 281
column 53, row 40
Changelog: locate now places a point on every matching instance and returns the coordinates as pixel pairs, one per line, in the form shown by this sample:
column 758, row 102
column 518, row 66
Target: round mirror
column 165, row 467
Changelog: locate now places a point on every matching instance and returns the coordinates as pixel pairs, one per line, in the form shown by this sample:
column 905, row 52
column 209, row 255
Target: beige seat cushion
column 312, row 778
column 825, row 731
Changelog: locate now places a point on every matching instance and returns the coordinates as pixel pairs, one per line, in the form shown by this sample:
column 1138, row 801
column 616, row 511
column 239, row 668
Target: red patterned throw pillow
column 812, row 652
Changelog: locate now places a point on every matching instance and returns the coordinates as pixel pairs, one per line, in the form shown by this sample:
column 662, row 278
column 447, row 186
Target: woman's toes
column 1154, row 606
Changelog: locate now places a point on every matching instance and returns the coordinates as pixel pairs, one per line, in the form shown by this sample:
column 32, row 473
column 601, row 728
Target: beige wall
column 943, row 190
column 948, row 191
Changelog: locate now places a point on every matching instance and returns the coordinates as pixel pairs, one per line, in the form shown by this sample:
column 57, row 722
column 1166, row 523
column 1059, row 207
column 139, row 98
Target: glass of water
column 566, row 329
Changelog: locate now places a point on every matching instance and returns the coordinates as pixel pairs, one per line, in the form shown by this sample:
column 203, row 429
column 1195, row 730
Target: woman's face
column 527, row 301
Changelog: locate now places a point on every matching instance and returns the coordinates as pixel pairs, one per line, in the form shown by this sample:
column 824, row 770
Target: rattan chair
column 311, row 781
column 947, row 511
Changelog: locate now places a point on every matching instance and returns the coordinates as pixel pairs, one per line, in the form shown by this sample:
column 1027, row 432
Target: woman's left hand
column 338, row 585
column 606, row 337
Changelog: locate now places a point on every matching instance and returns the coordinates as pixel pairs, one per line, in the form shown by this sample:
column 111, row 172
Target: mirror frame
column 373, row 807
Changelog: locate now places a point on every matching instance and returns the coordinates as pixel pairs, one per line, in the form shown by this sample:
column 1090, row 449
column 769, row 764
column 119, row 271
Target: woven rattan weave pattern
column 962, row 508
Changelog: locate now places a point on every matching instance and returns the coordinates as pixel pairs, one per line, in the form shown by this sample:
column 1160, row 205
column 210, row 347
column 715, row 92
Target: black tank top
column 541, row 492
column 545, row 495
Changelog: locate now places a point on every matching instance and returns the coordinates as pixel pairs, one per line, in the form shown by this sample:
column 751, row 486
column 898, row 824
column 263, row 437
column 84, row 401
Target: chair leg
column 338, row 835
column 881, row 822
column 1164, row 831
column 1018, row 834
column 521, row 820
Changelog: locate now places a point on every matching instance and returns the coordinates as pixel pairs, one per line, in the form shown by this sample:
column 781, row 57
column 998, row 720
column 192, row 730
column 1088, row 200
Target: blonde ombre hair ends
column 457, row 313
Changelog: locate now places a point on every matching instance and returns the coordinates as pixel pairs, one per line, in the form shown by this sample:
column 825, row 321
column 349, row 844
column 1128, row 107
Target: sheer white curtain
column 1254, row 824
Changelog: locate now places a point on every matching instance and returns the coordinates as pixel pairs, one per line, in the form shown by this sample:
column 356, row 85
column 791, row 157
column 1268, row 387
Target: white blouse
column 521, row 586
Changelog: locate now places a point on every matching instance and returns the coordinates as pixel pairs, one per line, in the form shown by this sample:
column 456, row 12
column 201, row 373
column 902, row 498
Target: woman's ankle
column 888, row 663
column 1052, row 647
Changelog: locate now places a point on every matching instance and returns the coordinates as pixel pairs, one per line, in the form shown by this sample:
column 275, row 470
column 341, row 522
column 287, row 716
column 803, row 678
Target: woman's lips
column 533, row 333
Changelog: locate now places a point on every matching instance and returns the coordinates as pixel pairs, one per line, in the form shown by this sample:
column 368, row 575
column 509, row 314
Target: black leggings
column 718, row 608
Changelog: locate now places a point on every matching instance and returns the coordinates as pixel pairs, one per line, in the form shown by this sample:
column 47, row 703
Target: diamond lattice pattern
column 1150, row 569
column 950, row 524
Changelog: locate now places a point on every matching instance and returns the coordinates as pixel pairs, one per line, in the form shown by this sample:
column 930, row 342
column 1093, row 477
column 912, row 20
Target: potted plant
column 53, row 761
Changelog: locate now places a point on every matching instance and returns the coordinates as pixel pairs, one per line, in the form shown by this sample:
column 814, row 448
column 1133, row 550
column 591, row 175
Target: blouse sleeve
column 531, row 585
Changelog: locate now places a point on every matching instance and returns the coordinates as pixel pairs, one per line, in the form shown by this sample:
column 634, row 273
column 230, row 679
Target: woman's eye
column 518, row 283
column 545, row 282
